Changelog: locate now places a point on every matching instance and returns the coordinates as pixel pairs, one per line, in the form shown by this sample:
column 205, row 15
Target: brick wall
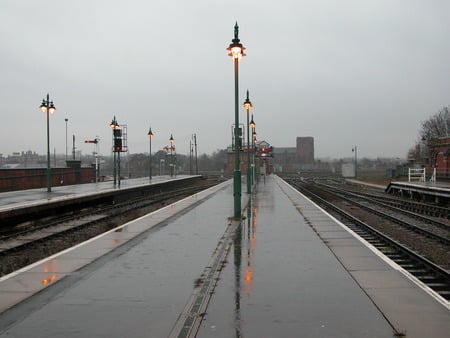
column 439, row 153
column 21, row 179
column 305, row 150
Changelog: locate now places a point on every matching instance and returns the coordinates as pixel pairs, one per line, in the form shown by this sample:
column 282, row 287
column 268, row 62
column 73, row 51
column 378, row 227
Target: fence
column 416, row 174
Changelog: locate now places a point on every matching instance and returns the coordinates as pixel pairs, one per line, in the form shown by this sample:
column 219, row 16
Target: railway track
column 428, row 209
column 413, row 249
column 23, row 245
column 429, row 227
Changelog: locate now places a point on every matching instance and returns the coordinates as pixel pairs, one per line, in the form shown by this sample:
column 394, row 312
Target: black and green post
column 247, row 106
column 114, row 126
column 236, row 51
column 252, row 126
column 150, row 136
column 172, row 148
column 48, row 108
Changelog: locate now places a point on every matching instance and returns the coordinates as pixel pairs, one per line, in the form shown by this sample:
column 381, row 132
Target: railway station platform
column 288, row 269
column 438, row 192
column 21, row 207
column 26, row 198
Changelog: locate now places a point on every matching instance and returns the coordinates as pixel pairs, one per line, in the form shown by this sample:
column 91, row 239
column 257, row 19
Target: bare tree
column 437, row 125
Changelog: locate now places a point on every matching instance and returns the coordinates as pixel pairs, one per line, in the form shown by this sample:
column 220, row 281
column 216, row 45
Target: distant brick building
column 439, row 156
column 291, row 159
column 305, row 150
column 285, row 159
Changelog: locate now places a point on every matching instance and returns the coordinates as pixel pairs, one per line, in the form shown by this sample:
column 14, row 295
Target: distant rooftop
column 284, row 150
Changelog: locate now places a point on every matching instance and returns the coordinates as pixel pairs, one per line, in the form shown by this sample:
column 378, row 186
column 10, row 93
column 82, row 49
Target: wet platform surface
column 21, row 198
column 287, row 270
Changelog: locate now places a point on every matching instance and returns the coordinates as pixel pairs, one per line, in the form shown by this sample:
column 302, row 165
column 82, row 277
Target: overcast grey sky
column 349, row 72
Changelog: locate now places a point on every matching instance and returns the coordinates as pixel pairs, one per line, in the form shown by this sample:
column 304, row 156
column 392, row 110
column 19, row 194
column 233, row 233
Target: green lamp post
column 48, row 108
column 247, row 106
column 252, row 126
column 236, row 51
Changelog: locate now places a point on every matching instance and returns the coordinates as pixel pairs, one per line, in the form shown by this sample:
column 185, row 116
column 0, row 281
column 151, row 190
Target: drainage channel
column 190, row 319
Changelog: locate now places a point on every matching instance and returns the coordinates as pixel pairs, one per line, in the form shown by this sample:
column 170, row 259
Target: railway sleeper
column 430, row 278
column 379, row 245
column 414, row 270
column 439, row 287
column 445, row 294
column 398, row 258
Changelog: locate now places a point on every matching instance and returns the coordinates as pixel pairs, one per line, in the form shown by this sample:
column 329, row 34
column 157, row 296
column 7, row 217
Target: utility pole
column 66, row 119
column 196, row 161
column 190, row 156
column 73, row 146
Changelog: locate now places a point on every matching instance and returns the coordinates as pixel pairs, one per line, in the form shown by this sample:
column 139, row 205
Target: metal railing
column 416, row 174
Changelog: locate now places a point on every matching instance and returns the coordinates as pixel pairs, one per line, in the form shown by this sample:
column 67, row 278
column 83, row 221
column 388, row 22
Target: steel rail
column 405, row 224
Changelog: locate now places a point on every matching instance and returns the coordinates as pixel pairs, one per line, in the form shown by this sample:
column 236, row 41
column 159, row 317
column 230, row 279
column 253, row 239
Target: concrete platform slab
column 338, row 242
column 409, row 315
column 382, row 279
column 368, row 263
column 326, row 235
column 31, row 281
column 354, row 250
